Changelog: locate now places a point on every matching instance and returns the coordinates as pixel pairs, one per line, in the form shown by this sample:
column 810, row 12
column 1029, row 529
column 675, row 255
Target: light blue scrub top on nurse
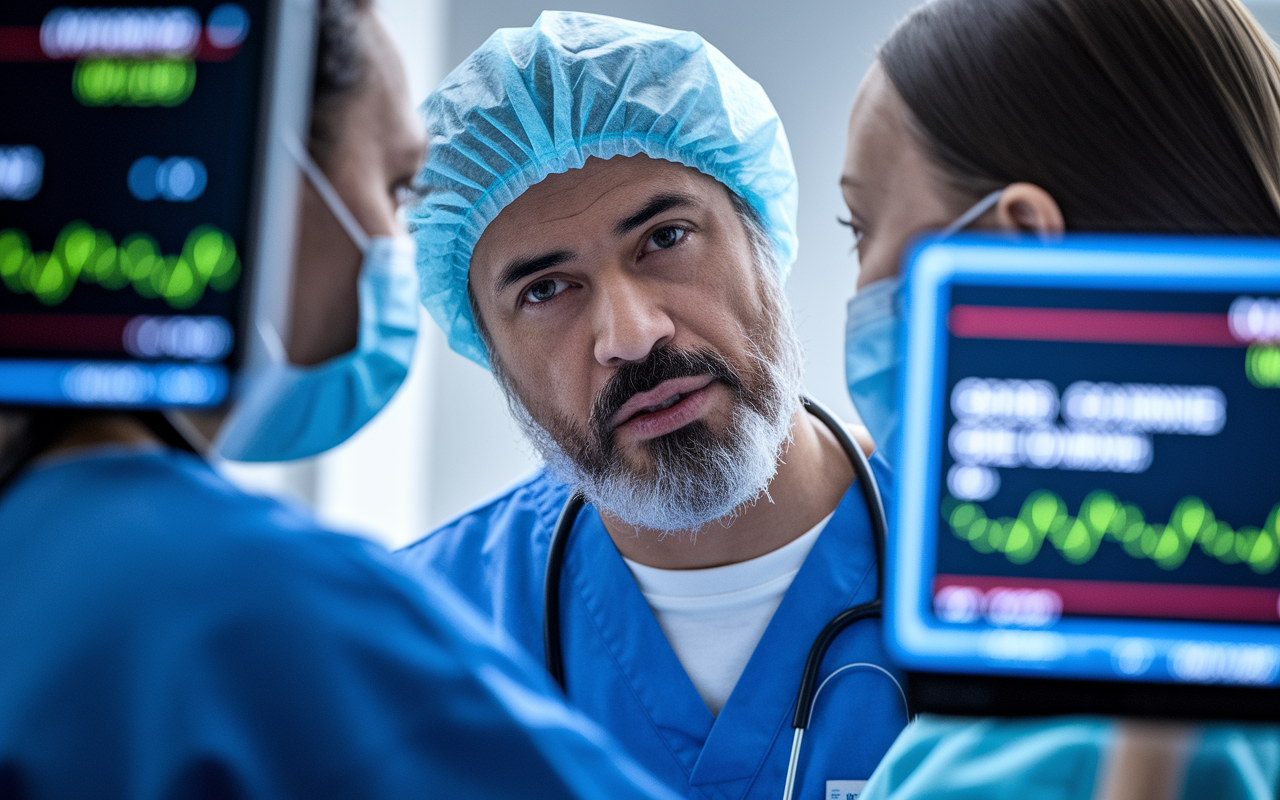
column 620, row 669
column 1060, row 758
column 166, row 636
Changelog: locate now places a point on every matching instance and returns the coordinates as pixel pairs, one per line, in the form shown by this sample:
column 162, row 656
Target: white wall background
column 446, row 441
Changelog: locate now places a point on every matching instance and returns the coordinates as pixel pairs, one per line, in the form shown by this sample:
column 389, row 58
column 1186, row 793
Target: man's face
column 643, row 345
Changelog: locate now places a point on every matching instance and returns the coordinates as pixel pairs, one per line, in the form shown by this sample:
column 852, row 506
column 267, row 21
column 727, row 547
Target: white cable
column 979, row 208
column 794, row 764
column 326, row 191
column 790, row 787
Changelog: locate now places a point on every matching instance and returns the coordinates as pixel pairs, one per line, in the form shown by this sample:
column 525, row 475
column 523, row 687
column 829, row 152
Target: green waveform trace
column 1262, row 365
column 80, row 253
column 1044, row 517
column 164, row 82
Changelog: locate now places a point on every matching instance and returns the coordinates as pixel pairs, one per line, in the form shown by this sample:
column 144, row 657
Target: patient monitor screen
column 1110, row 453
column 1104, row 458
column 127, row 146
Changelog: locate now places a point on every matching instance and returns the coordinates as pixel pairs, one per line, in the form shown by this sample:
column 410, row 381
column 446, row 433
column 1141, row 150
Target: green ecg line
column 1262, row 365
column 208, row 260
column 1044, row 518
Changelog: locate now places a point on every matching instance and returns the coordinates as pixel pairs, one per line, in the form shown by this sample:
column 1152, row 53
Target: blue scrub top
column 164, row 635
column 620, row 669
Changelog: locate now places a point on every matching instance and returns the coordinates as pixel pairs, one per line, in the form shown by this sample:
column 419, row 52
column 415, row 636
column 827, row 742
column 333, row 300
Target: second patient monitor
column 1088, row 512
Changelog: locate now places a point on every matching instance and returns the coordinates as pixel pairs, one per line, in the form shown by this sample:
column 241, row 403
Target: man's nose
column 630, row 323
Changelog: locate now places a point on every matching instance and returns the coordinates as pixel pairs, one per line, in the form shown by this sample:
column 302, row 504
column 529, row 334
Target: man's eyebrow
column 656, row 205
column 524, row 267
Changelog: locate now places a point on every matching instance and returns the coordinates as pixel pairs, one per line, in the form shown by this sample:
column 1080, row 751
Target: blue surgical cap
column 533, row 102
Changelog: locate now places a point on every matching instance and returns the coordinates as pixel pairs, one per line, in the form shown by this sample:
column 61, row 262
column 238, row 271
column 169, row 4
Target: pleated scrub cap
column 533, row 102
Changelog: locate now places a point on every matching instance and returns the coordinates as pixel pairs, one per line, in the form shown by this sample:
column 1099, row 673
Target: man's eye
column 666, row 237
column 544, row 290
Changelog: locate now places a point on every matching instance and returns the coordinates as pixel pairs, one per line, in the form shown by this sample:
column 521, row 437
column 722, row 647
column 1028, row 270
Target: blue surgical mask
column 872, row 350
column 288, row 412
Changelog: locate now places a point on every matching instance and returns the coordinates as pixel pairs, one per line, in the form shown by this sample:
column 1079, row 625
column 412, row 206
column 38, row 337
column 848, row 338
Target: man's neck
column 811, row 480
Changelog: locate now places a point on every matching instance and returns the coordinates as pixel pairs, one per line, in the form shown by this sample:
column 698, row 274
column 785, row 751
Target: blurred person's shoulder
column 495, row 553
column 161, row 519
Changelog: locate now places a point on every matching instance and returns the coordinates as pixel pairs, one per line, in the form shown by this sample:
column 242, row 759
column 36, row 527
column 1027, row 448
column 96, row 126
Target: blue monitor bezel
column 1073, row 648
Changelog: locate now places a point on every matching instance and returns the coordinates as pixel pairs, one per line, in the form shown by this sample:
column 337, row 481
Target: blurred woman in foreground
column 1045, row 116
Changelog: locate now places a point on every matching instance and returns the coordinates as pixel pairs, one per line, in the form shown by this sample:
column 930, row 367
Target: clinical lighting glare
column 1255, row 319
column 177, row 179
column 1001, row 606
column 108, row 383
column 1188, row 410
column 1207, row 662
column 194, row 338
column 76, row 32
column 228, row 26
column 21, row 172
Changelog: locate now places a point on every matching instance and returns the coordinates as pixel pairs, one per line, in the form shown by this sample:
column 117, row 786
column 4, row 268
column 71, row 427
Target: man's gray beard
column 695, row 476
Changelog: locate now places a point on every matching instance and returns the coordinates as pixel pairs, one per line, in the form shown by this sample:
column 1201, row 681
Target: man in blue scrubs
column 608, row 217
column 164, row 635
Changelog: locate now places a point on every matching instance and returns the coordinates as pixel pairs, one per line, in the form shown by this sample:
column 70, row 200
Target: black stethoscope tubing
column 809, row 678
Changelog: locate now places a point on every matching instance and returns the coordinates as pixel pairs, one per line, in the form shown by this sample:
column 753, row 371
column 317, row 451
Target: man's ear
column 1026, row 208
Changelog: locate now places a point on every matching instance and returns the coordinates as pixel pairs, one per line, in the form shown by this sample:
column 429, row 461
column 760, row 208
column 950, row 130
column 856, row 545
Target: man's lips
column 662, row 396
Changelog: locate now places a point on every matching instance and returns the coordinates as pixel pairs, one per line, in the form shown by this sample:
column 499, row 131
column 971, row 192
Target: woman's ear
column 1026, row 208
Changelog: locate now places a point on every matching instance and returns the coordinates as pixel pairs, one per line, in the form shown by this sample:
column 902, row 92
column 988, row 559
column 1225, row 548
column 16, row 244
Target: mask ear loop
column 979, row 208
column 327, row 193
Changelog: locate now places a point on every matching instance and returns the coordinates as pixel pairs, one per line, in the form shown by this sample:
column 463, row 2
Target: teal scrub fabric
column 164, row 635
column 942, row 758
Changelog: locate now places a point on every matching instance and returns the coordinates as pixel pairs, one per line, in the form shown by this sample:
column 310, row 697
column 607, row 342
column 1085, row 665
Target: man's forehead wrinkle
column 561, row 200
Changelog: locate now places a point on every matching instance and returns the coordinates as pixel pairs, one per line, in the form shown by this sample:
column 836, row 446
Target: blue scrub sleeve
column 163, row 635
column 939, row 758
column 402, row 686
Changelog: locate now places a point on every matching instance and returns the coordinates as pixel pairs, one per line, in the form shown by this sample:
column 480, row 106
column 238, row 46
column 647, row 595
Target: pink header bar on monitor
column 1091, row 325
column 1084, row 598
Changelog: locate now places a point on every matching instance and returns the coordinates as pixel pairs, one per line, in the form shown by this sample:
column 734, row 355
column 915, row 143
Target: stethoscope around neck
column 809, row 685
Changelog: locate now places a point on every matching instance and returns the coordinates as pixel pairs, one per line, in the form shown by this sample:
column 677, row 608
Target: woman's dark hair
column 340, row 66
column 1135, row 115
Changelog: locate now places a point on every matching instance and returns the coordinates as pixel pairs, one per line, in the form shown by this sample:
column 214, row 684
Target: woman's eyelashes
column 854, row 228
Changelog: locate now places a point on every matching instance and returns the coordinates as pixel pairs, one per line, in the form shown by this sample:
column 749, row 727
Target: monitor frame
column 271, row 214
column 286, row 112
column 1016, row 673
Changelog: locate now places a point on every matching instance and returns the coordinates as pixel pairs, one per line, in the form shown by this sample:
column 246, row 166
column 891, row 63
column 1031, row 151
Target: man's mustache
column 661, row 365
